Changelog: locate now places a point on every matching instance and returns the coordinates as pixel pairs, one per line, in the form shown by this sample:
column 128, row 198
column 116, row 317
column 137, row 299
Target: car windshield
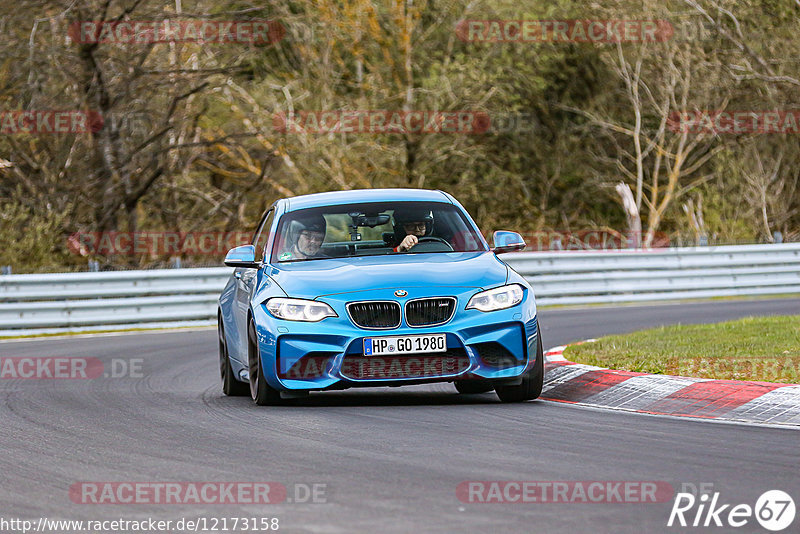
column 374, row 229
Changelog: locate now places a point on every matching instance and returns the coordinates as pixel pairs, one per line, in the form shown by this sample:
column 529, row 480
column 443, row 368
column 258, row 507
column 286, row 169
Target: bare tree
column 773, row 186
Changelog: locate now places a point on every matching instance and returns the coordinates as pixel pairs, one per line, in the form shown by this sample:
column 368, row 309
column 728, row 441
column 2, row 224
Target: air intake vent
column 430, row 311
column 495, row 355
column 450, row 363
column 375, row 314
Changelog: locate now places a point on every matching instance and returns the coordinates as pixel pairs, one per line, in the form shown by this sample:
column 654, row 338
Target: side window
column 262, row 236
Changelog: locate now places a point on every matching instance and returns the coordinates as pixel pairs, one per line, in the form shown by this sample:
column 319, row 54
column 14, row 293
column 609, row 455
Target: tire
column 261, row 393
column 230, row 385
column 531, row 386
column 473, row 387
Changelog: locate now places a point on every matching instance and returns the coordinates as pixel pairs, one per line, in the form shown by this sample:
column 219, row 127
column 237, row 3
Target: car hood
column 317, row 278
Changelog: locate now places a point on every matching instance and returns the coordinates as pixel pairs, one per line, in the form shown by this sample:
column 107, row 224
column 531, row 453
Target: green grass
column 756, row 348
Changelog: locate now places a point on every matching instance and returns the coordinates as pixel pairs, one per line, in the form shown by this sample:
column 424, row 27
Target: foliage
column 189, row 139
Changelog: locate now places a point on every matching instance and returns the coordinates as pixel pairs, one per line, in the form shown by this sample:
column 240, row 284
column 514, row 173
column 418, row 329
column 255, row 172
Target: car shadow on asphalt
column 377, row 397
column 381, row 397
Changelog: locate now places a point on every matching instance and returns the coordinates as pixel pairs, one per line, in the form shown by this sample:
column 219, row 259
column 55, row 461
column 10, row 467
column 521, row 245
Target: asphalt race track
column 390, row 459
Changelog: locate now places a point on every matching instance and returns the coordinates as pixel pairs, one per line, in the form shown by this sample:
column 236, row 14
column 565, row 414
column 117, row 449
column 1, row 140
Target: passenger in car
column 306, row 237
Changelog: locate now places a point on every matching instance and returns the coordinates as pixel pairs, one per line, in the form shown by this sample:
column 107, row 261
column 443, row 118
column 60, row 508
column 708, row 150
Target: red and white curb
column 724, row 400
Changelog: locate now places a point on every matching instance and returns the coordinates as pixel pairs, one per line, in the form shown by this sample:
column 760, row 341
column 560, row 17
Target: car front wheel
column 531, row 386
column 230, row 385
column 261, row 393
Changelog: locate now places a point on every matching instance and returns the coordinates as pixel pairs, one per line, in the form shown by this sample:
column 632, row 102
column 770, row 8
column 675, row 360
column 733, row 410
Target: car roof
column 333, row 198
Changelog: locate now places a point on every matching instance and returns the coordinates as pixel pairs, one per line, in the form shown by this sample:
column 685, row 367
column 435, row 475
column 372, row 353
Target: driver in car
column 409, row 226
column 307, row 235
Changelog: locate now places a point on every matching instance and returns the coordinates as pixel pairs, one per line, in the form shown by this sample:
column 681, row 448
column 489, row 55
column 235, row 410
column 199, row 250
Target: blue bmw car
column 381, row 287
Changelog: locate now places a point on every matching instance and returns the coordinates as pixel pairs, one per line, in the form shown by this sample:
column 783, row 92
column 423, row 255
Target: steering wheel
column 431, row 244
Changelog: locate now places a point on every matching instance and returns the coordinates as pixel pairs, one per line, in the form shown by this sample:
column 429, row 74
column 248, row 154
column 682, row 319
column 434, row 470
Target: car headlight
column 299, row 309
column 498, row 298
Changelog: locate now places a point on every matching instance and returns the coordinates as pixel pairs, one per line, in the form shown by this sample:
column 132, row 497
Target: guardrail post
column 5, row 269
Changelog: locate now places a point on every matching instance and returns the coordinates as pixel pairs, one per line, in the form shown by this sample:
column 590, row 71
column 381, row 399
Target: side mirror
column 507, row 242
column 243, row 256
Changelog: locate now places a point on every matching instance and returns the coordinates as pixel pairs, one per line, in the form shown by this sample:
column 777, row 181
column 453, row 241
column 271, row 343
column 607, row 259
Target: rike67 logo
column 774, row 510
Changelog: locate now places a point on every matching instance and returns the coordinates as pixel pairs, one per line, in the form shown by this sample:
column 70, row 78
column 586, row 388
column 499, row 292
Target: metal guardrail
column 41, row 303
column 74, row 302
column 580, row 277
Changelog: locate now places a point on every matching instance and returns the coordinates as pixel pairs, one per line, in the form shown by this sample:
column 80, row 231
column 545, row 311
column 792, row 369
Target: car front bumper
column 297, row 356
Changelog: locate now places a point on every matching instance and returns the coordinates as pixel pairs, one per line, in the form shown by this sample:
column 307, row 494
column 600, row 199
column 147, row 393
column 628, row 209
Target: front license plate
column 377, row 346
